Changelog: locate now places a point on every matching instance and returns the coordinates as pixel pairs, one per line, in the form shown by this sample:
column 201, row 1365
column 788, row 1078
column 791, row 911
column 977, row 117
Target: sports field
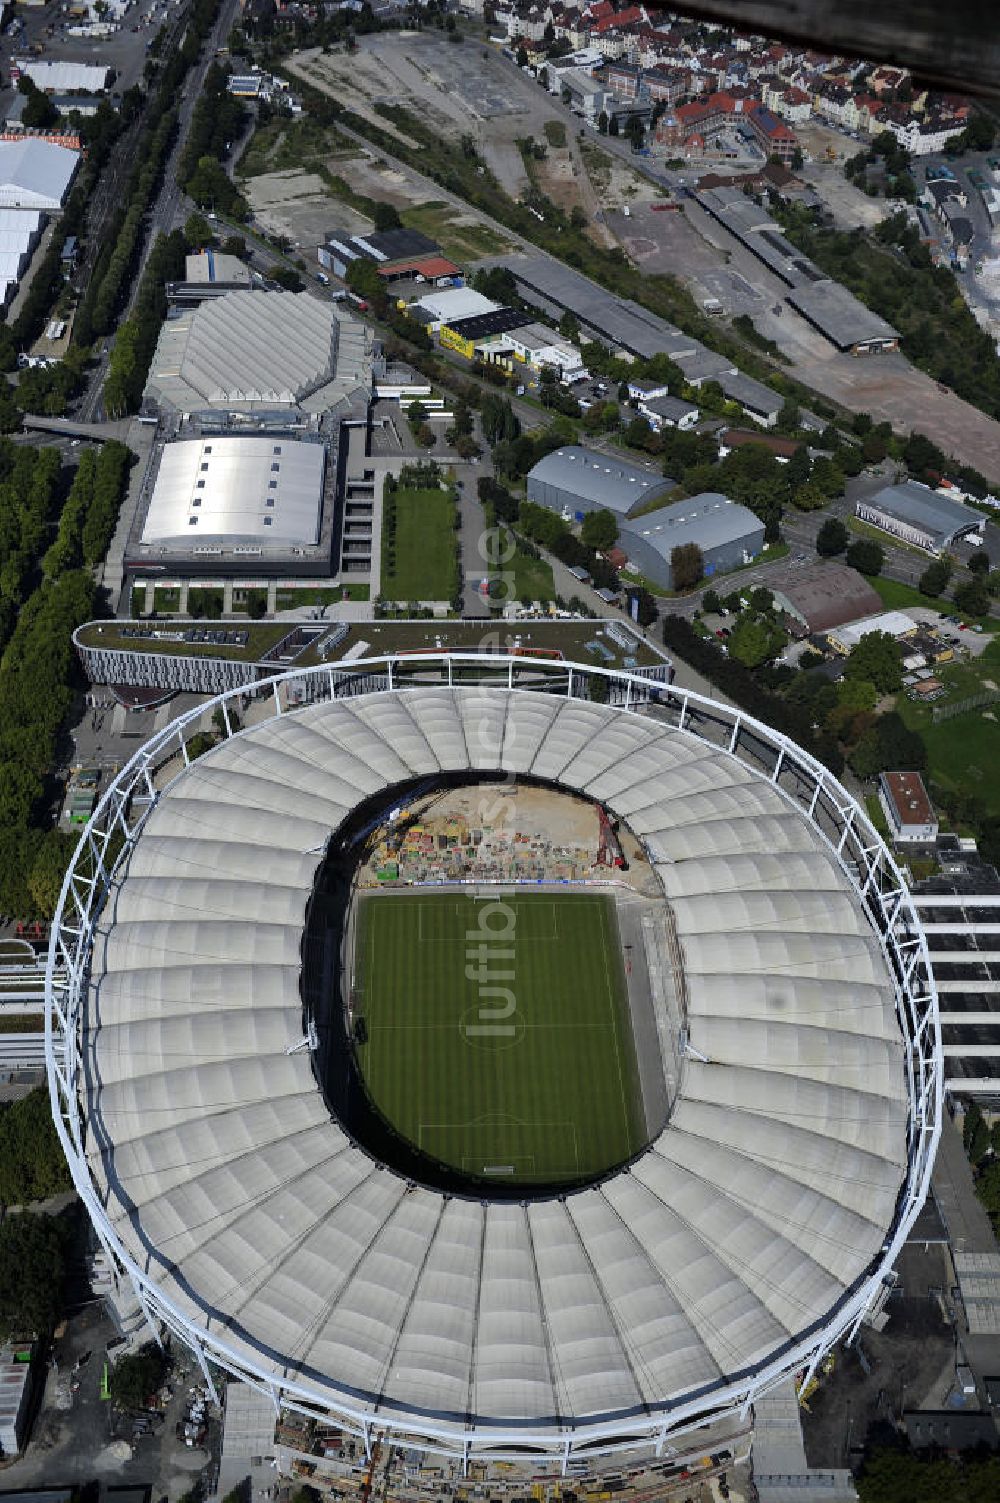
column 498, row 1034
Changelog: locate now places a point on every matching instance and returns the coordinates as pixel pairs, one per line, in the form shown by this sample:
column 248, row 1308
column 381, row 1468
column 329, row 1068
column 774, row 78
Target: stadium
column 569, row 1177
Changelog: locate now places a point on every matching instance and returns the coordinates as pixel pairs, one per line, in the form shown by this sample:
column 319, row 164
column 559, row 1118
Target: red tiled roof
column 425, row 266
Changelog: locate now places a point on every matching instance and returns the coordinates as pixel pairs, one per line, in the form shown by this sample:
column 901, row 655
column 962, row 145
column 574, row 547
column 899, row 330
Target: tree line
column 46, row 591
column 135, row 342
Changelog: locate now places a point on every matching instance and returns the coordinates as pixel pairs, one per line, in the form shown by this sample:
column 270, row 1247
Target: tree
column 602, row 122
column 385, row 216
column 32, row 1165
column 198, row 232
column 876, row 658
column 613, row 127
column 832, row 538
column 888, row 744
column 687, row 565
column 867, row 556
column 711, row 601
column 287, row 277
column 32, row 1268
column 972, row 596
column 136, row 1377
column 599, row 530
column 856, row 694
column 934, row 580
column 808, row 497
column 39, row 112
column 798, row 160
column 979, row 563
column 755, row 640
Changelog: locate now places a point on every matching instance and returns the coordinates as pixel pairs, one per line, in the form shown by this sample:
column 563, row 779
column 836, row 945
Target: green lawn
column 532, row 577
column 535, row 1082
column 896, row 597
column 963, row 752
column 321, row 595
column 419, row 549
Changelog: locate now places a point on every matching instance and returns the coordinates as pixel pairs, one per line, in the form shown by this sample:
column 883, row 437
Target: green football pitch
column 498, row 1034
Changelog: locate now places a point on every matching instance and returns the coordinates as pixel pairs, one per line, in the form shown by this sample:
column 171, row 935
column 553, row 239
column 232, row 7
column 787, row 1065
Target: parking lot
column 48, row 28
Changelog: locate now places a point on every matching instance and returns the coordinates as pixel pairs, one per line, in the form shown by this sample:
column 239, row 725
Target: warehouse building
column 482, row 331
column 664, row 411
column 35, row 174
column 623, row 324
column 758, row 401
column 825, row 595
column 920, row 516
column 842, row 319
column 227, row 503
column 260, row 352
column 20, row 231
column 729, row 535
column 447, row 305
column 383, row 247
column 829, row 307
column 575, row 480
column 57, row 77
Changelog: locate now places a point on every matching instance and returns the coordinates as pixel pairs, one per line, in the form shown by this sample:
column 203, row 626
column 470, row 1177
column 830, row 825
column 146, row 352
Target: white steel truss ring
column 807, row 786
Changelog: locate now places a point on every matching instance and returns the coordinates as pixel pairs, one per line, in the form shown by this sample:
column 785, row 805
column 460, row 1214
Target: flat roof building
column 16, row 1385
column 920, row 516
column 824, row 595
column 728, row 535
column 579, row 480
column 450, row 303
column 214, row 266
column 539, row 346
column 222, row 502
column 907, row 808
column 891, row 623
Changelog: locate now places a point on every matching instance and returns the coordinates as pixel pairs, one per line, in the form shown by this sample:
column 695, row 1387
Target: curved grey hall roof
column 767, row 1195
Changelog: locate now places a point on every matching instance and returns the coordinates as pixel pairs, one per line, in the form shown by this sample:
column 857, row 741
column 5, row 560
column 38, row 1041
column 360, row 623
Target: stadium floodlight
column 755, row 1231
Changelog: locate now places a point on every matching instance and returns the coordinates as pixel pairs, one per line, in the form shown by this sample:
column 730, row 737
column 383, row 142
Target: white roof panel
column 766, row 1196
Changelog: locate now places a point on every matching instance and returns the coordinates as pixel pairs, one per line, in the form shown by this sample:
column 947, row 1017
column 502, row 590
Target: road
column 168, row 208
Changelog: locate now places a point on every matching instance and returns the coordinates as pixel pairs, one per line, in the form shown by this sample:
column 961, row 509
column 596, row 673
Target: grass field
column 536, row 1082
column 896, row 596
column 419, row 546
column 963, row 752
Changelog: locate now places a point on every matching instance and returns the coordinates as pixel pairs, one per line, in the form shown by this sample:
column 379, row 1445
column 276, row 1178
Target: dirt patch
column 294, row 204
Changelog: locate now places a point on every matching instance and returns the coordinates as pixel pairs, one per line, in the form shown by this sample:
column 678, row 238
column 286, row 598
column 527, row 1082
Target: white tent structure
column 35, row 174
column 756, row 1230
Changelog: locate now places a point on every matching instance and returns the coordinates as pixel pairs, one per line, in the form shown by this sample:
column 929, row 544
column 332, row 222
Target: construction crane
column 609, row 848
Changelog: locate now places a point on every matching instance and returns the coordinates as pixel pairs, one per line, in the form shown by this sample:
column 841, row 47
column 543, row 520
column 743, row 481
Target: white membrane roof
column 765, row 1198
column 269, row 490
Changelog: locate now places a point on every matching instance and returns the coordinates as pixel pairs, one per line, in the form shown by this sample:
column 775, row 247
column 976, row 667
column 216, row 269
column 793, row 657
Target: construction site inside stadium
column 491, row 1028
column 312, row 1169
